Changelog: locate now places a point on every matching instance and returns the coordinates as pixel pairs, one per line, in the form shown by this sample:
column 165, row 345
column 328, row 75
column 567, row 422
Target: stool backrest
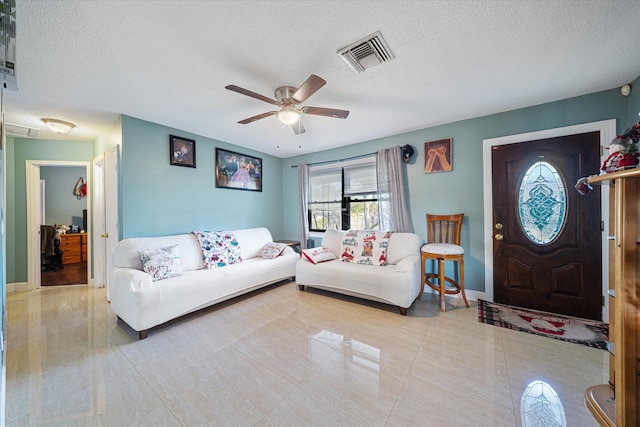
column 444, row 228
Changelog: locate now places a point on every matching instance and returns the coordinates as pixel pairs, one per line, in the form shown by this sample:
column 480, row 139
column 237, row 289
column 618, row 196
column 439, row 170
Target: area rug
column 565, row 328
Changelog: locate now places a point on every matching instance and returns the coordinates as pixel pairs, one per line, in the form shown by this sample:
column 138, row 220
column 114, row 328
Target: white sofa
column 396, row 283
column 143, row 304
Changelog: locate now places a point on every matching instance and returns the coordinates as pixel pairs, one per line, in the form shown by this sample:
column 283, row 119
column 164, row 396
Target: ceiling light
column 58, row 126
column 288, row 115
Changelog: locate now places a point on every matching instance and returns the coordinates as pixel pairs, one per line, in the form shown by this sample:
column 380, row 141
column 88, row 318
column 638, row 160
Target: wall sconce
column 625, row 90
column 58, row 126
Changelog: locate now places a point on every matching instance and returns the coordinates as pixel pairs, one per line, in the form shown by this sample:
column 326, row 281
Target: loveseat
column 337, row 267
column 144, row 303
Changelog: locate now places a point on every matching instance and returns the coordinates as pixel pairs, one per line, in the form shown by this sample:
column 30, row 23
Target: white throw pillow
column 316, row 255
column 272, row 250
column 161, row 263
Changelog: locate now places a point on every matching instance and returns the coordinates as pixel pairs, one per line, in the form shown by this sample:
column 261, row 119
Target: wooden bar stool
column 443, row 244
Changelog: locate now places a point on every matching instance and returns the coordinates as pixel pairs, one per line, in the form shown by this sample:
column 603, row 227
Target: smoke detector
column 366, row 53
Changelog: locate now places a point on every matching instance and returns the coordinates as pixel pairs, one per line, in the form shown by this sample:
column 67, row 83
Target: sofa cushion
column 272, row 250
column 161, row 263
column 219, row 248
column 125, row 254
column 365, row 247
column 316, row 255
column 332, row 240
column 251, row 240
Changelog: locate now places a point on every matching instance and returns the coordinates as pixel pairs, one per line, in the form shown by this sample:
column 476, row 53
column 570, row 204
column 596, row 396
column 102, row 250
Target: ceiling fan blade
column 247, row 92
column 308, row 88
column 258, row 117
column 297, row 127
column 327, row 112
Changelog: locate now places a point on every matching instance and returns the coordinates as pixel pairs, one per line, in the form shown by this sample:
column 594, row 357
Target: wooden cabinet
column 618, row 403
column 74, row 248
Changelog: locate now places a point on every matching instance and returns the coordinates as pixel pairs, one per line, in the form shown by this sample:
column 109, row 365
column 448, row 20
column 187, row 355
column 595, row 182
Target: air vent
column 367, row 53
column 20, row 131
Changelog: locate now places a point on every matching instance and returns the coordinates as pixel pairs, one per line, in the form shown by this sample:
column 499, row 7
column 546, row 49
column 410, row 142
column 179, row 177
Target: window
column 343, row 196
column 542, row 203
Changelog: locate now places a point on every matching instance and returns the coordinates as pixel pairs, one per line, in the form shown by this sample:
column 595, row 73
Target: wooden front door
column 546, row 236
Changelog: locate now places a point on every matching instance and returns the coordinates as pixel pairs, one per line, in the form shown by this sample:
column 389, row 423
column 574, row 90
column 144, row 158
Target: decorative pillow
column 272, row 250
column 161, row 263
column 365, row 247
column 316, row 255
column 219, row 248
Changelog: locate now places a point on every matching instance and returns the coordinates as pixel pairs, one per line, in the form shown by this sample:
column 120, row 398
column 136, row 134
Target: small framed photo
column 182, row 151
column 437, row 156
column 238, row 171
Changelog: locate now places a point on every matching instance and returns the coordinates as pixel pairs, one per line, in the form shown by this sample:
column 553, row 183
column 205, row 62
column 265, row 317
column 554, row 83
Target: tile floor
column 280, row 357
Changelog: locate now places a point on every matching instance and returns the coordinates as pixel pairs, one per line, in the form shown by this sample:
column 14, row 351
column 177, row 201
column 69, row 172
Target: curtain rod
column 339, row 160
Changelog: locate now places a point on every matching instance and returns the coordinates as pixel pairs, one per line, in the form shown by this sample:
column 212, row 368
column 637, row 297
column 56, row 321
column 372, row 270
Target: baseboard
column 17, row 287
column 471, row 294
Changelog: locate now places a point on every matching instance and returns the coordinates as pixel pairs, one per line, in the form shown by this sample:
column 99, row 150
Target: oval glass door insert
column 542, row 203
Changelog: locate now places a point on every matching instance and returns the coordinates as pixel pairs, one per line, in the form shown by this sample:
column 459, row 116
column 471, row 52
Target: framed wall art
column 238, row 171
column 182, row 151
column 437, row 156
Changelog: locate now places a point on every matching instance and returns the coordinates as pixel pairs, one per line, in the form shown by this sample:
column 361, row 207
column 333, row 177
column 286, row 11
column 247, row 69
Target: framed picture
column 437, row 156
column 238, row 171
column 182, row 151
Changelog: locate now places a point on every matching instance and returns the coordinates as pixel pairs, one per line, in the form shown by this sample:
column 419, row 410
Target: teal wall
column 61, row 205
column 461, row 190
column 19, row 151
column 634, row 102
column 159, row 199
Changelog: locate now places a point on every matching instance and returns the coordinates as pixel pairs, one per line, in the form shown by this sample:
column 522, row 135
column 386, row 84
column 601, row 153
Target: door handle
column 104, row 235
column 499, row 236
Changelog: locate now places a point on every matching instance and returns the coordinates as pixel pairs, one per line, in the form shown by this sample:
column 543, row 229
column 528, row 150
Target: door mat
column 565, row 328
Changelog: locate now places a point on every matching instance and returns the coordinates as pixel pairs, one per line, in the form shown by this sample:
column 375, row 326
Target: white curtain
column 392, row 203
column 303, row 197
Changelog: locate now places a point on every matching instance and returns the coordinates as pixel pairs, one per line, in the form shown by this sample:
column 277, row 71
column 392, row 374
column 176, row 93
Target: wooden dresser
column 74, row 248
column 618, row 403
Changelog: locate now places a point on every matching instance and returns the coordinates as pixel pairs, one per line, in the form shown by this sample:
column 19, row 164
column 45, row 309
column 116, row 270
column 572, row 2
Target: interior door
column 111, row 192
column 99, row 227
column 547, row 237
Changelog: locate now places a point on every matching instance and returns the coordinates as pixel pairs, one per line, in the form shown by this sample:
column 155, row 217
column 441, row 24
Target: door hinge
column 603, row 300
column 601, row 225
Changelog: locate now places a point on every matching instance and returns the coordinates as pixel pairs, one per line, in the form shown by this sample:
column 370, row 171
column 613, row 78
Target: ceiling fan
column 288, row 98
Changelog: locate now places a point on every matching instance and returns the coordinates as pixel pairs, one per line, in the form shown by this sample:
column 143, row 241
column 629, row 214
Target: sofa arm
column 131, row 277
column 408, row 264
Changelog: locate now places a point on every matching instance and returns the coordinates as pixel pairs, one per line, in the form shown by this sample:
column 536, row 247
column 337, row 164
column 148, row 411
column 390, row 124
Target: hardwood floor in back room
column 71, row 274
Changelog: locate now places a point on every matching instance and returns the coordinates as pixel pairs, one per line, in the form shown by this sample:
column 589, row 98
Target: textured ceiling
column 168, row 62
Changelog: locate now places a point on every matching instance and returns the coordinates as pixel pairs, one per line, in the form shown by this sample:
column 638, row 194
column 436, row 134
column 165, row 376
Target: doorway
column 65, row 233
column 34, row 209
column 547, row 238
column 607, row 131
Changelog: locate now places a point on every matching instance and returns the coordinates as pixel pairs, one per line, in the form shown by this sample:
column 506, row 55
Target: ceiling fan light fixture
column 58, row 126
column 288, row 116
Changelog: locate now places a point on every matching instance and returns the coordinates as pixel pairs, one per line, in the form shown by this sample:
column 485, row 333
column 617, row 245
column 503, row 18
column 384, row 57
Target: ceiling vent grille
column 367, row 53
column 20, row 131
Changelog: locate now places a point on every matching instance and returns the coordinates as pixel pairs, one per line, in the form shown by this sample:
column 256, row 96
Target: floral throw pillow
column 218, row 248
column 161, row 263
column 272, row 250
column 316, row 255
column 365, row 247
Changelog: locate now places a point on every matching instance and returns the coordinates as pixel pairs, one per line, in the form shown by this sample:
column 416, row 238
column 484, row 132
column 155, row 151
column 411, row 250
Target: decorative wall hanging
column 437, row 156
column 239, row 171
column 80, row 190
column 182, row 151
